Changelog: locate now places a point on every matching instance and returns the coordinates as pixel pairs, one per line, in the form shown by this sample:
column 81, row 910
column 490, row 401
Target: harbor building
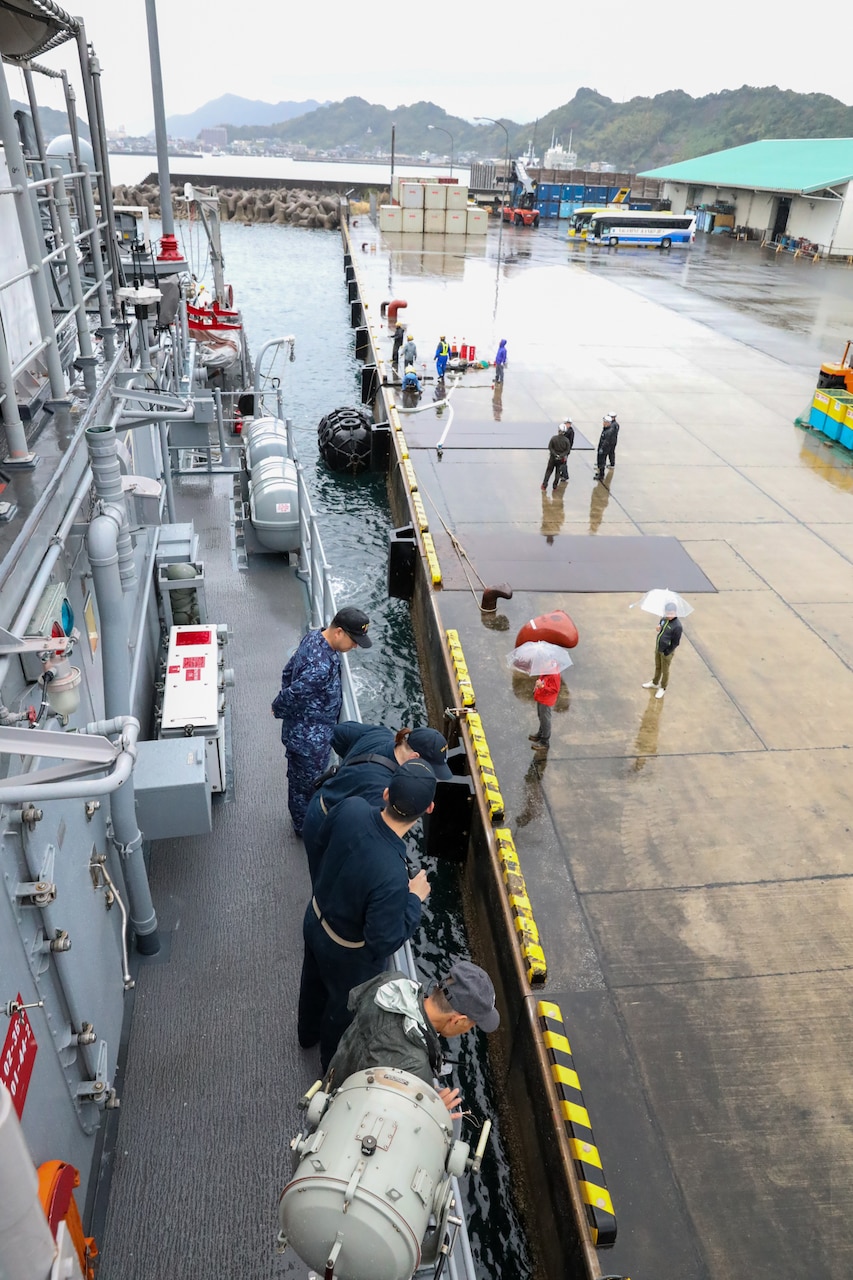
column 794, row 192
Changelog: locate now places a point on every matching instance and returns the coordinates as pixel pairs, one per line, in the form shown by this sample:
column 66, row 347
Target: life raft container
column 556, row 628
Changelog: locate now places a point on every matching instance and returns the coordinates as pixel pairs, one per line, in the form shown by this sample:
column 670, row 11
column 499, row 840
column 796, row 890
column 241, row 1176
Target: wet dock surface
column 687, row 858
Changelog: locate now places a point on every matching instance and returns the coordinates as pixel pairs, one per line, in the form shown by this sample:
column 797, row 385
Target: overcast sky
column 514, row 61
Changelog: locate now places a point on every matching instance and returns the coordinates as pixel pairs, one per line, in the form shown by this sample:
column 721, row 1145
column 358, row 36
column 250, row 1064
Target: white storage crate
column 413, row 219
column 390, row 217
column 411, row 195
column 457, row 197
column 435, row 195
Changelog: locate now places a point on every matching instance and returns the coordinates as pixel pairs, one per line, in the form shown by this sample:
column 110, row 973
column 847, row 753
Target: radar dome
column 61, row 150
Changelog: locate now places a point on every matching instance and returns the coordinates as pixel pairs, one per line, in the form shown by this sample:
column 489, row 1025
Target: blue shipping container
column 567, row 208
column 553, row 209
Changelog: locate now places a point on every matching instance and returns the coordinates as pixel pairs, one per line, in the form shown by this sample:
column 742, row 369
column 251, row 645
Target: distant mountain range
column 232, row 110
column 633, row 135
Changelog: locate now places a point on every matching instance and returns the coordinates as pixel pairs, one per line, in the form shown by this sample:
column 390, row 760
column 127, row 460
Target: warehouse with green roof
column 792, row 191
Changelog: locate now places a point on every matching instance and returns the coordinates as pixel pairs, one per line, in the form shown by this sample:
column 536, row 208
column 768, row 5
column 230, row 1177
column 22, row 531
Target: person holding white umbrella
column 666, row 642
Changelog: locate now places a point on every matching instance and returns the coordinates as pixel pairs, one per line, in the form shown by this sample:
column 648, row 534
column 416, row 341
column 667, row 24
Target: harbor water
column 290, row 281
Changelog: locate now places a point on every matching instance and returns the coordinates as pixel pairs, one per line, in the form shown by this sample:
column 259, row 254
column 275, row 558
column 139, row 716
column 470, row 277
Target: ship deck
column 213, row 1055
column 686, row 858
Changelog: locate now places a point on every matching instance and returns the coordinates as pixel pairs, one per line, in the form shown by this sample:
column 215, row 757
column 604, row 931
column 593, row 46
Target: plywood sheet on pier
column 529, row 563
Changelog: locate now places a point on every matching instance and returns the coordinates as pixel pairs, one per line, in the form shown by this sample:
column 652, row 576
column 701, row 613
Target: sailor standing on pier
column 607, row 444
column 559, row 448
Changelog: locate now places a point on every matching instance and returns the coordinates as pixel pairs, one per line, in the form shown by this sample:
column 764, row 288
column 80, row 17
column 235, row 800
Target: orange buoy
column 556, row 628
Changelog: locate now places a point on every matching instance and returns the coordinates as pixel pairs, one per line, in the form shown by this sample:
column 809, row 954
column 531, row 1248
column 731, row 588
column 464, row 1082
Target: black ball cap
column 355, row 624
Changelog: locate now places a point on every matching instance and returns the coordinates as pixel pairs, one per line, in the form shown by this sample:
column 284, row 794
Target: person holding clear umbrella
column 545, row 694
column 544, row 660
column 666, row 642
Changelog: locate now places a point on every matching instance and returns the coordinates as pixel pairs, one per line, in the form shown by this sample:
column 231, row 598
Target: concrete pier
column 687, row 858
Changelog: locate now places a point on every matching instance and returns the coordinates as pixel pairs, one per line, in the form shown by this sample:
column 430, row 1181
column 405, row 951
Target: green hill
column 646, row 132
column 635, row 135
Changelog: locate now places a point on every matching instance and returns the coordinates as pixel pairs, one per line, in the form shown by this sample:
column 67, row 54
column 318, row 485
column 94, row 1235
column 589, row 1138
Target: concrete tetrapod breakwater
column 295, row 206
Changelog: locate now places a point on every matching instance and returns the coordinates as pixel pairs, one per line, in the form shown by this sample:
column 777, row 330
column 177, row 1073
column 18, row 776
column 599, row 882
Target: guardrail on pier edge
column 565, row 1201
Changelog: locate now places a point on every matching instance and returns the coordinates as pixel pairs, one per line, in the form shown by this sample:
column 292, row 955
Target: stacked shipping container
column 435, row 207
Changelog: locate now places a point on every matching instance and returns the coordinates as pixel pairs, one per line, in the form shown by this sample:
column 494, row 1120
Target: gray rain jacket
column 390, row 1029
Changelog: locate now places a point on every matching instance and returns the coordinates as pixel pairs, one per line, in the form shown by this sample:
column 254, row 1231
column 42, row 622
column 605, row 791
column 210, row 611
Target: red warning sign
column 19, row 1055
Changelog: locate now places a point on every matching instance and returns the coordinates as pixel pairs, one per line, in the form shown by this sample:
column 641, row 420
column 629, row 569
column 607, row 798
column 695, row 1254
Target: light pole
column 489, row 120
column 450, row 136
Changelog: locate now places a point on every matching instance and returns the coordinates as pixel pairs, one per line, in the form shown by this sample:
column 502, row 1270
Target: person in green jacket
column 396, row 1025
column 666, row 642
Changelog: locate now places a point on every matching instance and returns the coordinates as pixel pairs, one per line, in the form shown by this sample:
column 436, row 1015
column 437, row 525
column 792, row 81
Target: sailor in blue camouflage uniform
column 370, row 754
column 309, row 703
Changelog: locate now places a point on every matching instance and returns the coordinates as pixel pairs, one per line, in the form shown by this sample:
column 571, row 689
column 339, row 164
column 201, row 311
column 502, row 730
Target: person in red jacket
column 545, row 693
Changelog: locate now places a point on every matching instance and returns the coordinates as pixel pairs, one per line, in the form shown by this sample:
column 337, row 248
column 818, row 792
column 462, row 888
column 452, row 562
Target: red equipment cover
column 556, row 628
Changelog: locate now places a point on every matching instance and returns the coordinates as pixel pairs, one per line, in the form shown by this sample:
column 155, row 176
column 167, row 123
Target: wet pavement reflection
column 687, row 857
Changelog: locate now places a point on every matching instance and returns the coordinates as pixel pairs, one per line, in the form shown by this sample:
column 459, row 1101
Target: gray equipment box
column 177, row 543
column 173, row 796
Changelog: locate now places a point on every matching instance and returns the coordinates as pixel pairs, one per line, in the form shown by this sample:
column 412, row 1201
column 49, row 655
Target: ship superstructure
column 119, row 389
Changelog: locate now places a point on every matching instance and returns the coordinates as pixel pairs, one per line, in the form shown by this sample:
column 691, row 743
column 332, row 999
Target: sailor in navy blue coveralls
column 364, row 907
column 309, row 703
column 370, row 755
